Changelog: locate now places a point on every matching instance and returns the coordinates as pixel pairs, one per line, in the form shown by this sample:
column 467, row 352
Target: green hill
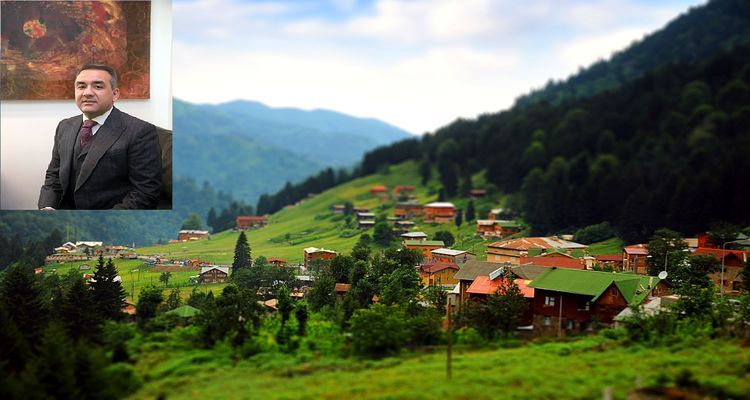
column 312, row 223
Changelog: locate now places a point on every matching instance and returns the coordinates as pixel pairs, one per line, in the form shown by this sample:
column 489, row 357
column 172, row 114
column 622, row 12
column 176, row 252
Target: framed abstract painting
column 44, row 43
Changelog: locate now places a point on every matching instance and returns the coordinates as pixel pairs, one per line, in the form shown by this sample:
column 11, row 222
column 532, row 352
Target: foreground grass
column 581, row 369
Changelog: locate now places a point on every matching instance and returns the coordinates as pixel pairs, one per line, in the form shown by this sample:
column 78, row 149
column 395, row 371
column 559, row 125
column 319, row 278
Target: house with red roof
column 245, row 222
column 486, row 285
column 314, row 253
column 734, row 261
column 277, row 262
column 555, row 259
column 379, row 191
column 512, row 250
column 634, row 258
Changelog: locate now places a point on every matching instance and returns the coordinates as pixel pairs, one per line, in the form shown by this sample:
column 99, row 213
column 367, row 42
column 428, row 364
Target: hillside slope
column 312, row 223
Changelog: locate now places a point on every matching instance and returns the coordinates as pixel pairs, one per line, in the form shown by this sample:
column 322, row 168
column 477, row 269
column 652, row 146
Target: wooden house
column 245, row 222
column 413, row 236
column 277, row 262
column 425, row 246
column 365, row 224
column 408, row 209
column 438, row 273
column 477, row 193
column 341, row 290
column 634, row 258
column 451, row 256
column 484, row 286
column 214, row 274
column 439, row 212
column 733, row 261
column 568, row 300
column 613, row 261
column 379, row 191
column 497, row 228
column 314, row 253
column 555, row 259
column 190, row 235
column 512, row 250
column 469, row 272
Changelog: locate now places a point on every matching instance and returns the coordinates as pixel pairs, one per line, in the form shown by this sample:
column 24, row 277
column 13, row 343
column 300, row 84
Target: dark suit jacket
column 122, row 168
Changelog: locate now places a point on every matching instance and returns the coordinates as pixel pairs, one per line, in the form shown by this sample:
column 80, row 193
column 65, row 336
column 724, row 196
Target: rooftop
column 551, row 242
column 634, row 288
column 439, row 204
column 424, row 243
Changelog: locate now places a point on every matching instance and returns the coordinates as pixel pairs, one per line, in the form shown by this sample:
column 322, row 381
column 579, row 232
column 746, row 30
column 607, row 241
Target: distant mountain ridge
column 247, row 148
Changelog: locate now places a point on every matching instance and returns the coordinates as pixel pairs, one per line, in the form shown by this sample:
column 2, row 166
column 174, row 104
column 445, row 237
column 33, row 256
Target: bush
column 379, row 331
column 594, row 233
column 469, row 337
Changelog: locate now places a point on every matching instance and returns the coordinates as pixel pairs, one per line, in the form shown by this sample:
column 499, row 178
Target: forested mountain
column 247, row 148
column 669, row 149
column 699, row 33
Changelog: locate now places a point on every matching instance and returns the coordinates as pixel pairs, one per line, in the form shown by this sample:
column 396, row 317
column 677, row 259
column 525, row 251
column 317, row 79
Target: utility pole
column 449, row 367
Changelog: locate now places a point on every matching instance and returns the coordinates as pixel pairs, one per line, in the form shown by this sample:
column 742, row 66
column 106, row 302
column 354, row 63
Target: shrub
column 594, row 233
column 379, row 331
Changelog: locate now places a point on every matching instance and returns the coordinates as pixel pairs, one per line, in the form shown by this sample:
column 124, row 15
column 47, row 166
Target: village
column 567, row 290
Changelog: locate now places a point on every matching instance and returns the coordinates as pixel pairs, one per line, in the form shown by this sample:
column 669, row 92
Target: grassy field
column 582, row 369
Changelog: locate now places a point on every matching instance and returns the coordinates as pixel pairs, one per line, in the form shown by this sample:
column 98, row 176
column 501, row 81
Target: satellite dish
column 663, row 275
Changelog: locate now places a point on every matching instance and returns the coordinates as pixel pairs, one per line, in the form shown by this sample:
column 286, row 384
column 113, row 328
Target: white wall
column 27, row 127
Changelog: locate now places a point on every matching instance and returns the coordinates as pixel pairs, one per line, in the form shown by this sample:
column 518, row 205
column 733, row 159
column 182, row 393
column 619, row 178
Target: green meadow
column 312, row 223
column 581, row 369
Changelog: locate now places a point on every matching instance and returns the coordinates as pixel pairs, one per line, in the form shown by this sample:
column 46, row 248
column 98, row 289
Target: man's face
column 94, row 93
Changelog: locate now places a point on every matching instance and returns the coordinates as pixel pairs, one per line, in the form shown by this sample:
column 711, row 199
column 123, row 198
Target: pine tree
column 211, row 219
column 24, row 302
column 242, row 255
column 79, row 312
column 109, row 296
column 470, row 211
column 284, row 304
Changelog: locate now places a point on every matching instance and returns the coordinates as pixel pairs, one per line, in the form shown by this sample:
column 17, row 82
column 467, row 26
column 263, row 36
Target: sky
column 416, row 64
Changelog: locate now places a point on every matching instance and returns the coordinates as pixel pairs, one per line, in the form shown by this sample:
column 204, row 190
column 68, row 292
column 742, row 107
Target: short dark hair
column 103, row 67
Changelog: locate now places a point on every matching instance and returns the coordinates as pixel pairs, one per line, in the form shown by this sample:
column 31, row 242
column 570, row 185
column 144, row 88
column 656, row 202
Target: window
column 547, row 321
column 569, row 324
column 549, row 301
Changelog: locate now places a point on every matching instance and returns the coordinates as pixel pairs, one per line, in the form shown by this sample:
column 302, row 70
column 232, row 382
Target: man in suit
column 105, row 158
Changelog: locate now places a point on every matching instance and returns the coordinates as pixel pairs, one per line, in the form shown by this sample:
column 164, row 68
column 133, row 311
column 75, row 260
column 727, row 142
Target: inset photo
column 86, row 105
